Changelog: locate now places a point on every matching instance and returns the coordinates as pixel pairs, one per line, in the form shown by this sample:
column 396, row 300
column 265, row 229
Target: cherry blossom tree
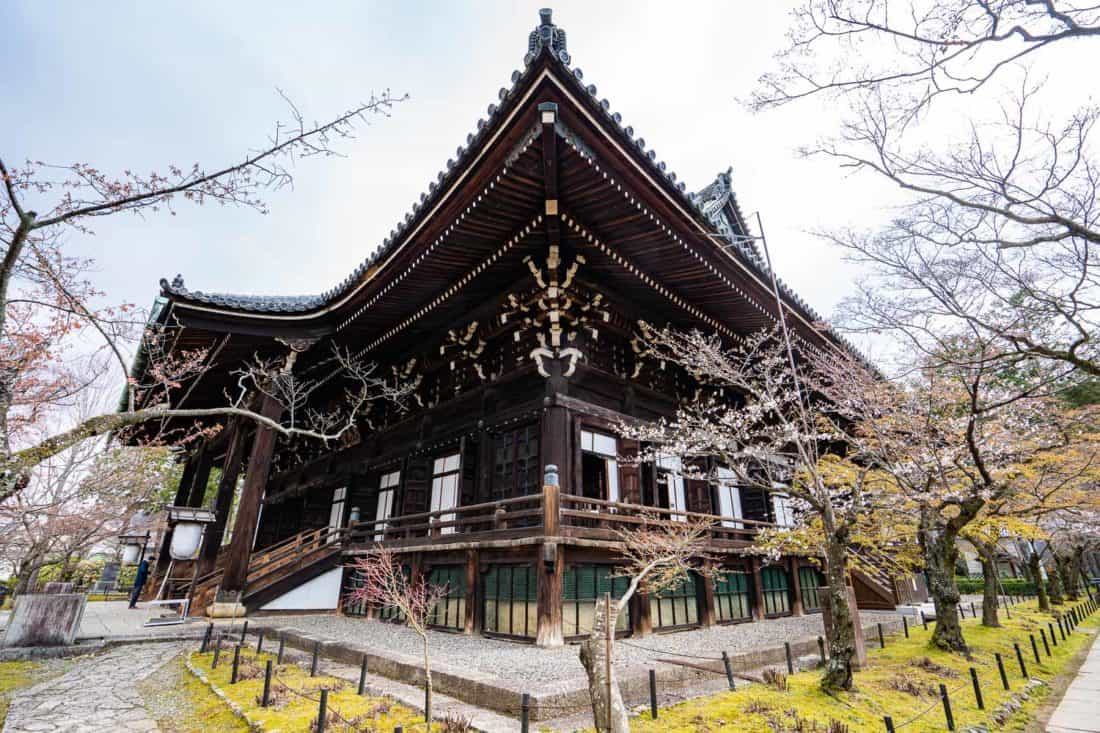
column 56, row 337
column 78, row 499
column 954, row 438
column 657, row 554
column 383, row 582
column 770, row 417
column 955, row 104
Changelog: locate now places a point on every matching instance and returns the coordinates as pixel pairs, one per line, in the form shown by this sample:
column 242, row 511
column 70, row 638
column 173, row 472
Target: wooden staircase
column 275, row 569
column 880, row 584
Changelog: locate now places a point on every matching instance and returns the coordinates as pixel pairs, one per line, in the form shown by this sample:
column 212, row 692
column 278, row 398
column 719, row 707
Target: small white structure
column 320, row 594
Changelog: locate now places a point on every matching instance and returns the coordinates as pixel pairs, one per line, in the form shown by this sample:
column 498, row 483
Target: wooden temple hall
column 510, row 295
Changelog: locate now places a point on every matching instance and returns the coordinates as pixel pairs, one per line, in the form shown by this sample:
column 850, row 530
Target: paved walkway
column 114, row 621
column 1080, row 707
column 98, row 694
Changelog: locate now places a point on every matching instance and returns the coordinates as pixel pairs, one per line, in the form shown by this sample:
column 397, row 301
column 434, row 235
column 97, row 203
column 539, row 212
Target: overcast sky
column 140, row 85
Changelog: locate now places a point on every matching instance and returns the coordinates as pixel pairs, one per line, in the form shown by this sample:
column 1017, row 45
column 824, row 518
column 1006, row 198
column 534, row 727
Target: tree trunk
column 1069, row 577
column 28, row 569
column 1056, row 594
column 427, row 685
column 67, row 567
column 841, row 631
column 1040, row 585
column 989, row 585
column 601, row 675
column 940, row 551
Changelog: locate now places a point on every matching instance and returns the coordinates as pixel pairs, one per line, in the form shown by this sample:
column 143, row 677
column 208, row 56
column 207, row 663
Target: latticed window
column 582, row 588
column 516, row 463
column 450, row 612
column 732, row 598
column 511, row 600
column 677, row 606
column 777, row 597
column 362, row 608
column 810, row 580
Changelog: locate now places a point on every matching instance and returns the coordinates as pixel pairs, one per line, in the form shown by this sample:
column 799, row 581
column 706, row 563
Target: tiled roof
column 237, row 301
column 550, row 39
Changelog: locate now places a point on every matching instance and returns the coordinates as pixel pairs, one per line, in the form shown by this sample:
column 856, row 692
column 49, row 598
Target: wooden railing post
column 551, row 564
column 551, row 503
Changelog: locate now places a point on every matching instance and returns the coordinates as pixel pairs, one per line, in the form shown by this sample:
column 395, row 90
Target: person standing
column 139, row 581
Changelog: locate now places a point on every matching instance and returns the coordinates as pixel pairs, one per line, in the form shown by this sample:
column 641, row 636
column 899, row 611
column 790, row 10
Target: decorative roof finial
column 547, row 36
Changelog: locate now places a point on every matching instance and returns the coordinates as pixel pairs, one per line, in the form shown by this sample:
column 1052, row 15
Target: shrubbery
column 1011, row 586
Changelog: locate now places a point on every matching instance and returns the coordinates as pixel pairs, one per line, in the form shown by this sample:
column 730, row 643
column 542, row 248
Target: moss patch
column 181, row 703
column 901, row 680
column 295, row 696
column 15, row 676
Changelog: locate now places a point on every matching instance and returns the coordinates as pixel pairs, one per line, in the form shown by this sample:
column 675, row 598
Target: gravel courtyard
column 521, row 661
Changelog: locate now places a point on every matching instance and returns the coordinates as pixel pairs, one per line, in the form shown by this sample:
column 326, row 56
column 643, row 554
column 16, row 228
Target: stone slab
column 40, row 619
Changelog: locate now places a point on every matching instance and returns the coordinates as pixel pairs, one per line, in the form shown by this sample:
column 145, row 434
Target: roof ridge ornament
column 546, row 36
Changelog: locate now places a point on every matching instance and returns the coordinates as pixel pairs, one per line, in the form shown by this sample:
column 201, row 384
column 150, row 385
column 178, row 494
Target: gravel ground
column 523, row 661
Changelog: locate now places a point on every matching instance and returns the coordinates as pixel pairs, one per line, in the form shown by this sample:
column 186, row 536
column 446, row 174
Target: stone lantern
column 133, row 547
column 187, row 525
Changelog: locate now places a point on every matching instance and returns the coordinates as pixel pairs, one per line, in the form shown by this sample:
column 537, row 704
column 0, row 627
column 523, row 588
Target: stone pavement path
column 98, row 694
column 1080, row 706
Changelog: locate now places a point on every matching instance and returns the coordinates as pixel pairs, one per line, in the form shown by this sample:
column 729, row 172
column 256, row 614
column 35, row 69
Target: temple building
column 510, row 297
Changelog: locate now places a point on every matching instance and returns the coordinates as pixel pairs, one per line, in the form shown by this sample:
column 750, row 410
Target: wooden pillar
column 231, row 470
column 473, row 593
column 757, row 590
column 643, row 625
column 183, row 490
column 555, row 444
column 550, row 566
column 796, row 587
column 708, row 616
column 197, row 496
column 248, row 508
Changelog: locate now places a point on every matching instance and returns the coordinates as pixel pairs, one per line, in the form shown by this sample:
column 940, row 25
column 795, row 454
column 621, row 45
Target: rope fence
column 328, row 716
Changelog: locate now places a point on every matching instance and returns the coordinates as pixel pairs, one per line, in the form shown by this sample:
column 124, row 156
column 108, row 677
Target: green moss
column 896, row 682
column 15, row 676
column 295, row 707
column 181, row 703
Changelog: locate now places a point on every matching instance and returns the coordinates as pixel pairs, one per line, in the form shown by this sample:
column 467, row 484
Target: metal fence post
column 947, row 707
column 282, row 648
column 904, row 625
column 729, row 669
column 1035, row 648
column 266, row 699
column 1046, row 644
column 236, row 664
column 1001, row 669
column 524, row 713
column 1020, row 659
column 790, row 660
column 363, row 675
column 881, row 638
column 260, row 642
column 244, row 630
column 313, row 663
column 977, row 689
column 889, row 723
column 653, row 692
column 322, row 710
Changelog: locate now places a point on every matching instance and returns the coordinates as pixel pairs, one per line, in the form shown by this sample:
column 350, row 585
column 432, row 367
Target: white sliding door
column 445, row 475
